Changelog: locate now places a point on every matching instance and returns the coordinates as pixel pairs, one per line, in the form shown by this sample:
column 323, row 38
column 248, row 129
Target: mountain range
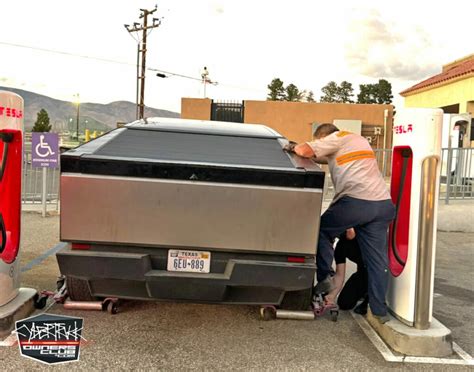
column 93, row 116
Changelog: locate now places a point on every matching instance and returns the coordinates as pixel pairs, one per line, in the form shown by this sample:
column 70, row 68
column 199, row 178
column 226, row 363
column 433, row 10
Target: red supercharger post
column 12, row 297
column 416, row 163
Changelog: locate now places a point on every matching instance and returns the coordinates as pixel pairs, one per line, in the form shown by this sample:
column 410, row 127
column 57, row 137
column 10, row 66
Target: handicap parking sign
column 44, row 150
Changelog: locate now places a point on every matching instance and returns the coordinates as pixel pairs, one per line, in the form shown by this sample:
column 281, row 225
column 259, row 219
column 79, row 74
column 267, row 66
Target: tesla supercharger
column 11, row 157
column 412, row 237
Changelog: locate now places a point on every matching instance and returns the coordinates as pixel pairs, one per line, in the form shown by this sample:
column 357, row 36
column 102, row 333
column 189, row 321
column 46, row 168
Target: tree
column 42, row 122
column 384, row 92
column 342, row 93
column 330, row 92
column 309, row 96
column 367, row 93
column 380, row 93
column 345, row 92
column 293, row 94
column 277, row 90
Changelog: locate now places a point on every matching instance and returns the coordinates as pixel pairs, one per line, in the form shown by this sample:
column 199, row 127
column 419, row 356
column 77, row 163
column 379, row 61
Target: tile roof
column 451, row 71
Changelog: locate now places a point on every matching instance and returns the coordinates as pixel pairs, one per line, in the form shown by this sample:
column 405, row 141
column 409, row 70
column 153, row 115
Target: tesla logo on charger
column 10, row 112
column 402, row 129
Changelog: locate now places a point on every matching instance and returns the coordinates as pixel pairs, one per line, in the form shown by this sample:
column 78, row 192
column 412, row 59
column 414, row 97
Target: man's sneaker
column 382, row 319
column 324, row 286
column 361, row 309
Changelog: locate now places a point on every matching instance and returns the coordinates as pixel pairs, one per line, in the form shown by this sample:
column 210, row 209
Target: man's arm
column 338, row 281
column 340, row 272
column 304, row 150
column 320, row 160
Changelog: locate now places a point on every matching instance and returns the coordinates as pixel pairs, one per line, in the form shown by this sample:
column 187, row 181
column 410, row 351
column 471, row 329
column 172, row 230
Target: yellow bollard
column 87, row 135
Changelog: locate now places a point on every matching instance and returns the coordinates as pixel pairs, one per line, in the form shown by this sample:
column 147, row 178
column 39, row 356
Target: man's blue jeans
column 370, row 219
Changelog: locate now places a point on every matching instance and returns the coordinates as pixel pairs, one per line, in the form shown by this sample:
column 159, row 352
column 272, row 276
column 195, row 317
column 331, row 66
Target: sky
column 243, row 43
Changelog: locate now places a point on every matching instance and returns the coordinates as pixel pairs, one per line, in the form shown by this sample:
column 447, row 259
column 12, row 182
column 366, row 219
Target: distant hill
column 94, row 116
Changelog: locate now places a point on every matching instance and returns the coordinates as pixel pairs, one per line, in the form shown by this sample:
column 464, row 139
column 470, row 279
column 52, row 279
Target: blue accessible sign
column 44, row 150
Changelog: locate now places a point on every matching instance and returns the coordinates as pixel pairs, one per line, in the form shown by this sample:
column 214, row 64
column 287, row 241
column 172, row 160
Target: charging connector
column 406, row 155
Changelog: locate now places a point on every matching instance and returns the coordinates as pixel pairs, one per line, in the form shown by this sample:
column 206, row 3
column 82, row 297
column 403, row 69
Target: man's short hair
column 324, row 130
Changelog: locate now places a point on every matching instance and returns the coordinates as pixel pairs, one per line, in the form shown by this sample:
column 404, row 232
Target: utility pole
column 141, row 49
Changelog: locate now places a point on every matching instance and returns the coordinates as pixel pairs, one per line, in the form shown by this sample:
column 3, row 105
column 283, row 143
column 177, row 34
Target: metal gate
column 232, row 111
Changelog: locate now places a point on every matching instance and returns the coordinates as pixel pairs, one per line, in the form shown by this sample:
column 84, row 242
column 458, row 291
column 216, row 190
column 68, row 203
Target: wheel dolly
column 319, row 308
column 60, row 297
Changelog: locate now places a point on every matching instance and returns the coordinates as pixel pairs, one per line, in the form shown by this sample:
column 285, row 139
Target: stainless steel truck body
column 201, row 211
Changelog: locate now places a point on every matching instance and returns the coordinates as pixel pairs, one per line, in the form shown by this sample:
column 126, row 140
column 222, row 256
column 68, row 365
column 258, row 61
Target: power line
column 107, row 60
column 66, row 53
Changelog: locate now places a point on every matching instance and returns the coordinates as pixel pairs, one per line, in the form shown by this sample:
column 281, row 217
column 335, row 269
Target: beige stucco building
column 452, row 89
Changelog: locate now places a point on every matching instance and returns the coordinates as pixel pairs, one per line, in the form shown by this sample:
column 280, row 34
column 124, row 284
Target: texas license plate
column 189, row 261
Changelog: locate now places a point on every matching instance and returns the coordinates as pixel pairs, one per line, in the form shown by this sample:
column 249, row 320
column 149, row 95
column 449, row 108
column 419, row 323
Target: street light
column 206, row 80
column 77, row 101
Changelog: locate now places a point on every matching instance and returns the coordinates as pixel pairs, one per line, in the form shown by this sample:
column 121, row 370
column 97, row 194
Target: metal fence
column 33, row 183
column 232, row 111
column 457, row 183
column 457, row 174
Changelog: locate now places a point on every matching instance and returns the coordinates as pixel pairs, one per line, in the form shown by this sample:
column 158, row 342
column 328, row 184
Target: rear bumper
column 141, row 274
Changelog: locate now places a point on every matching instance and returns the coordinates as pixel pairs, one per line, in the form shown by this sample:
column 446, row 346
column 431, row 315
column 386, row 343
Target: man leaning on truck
column 361, row 201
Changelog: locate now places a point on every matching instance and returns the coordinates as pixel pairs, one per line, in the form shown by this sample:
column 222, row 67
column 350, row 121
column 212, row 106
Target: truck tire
column 78, row 289
column 297, row 300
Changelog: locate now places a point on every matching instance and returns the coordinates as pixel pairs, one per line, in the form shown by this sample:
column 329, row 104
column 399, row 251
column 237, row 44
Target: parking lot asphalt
column 177, row 336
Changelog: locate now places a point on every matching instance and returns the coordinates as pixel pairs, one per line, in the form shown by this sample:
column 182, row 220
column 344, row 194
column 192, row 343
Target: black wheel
column 334, row 315
column 40, row 301
column 112, row 308
column 78, row 289
column 297, row 300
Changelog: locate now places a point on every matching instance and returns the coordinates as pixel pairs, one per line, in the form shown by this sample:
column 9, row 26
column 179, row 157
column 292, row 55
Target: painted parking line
column 42, row 257
column 463, row 354
column 376, row 340
column 389, row 356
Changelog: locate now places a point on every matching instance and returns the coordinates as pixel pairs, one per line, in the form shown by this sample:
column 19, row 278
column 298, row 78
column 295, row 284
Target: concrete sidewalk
column 458, row 216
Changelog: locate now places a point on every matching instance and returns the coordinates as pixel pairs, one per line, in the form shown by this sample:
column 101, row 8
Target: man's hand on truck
column 290, row 147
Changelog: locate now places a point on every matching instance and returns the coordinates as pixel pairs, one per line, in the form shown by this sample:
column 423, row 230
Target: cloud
column 379, row 48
